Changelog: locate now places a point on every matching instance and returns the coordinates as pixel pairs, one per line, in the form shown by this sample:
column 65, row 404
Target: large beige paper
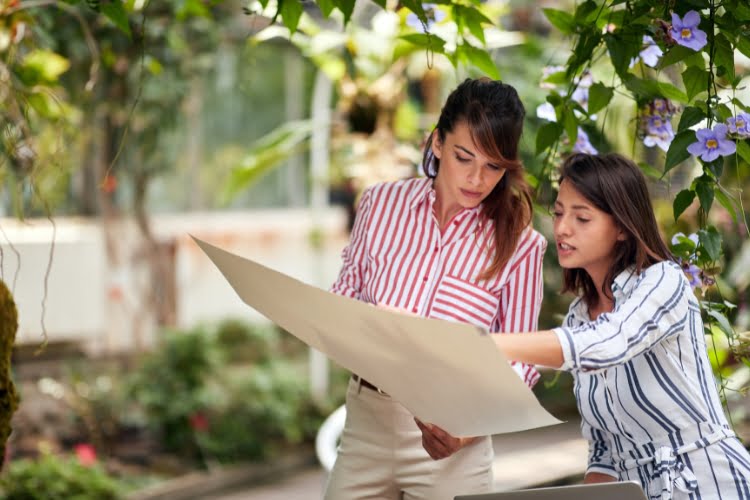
column 449, row 374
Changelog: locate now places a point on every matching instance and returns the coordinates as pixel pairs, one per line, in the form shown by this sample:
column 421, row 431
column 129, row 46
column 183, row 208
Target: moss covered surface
column 8, row 396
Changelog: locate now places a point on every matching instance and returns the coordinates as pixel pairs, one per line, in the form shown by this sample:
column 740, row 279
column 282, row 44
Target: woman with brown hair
column 458, row 245
column 634, row 341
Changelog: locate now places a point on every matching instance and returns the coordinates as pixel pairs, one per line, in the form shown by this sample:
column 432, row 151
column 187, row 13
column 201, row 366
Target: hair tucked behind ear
column 494, row 114
column 616, row 186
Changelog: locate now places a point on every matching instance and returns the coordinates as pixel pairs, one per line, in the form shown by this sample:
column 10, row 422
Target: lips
column 471, row 194
column 564, row 248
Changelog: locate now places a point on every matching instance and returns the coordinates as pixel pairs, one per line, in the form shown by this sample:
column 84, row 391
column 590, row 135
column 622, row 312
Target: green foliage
column 169, row 383
column 8, row 395
column 56, row 478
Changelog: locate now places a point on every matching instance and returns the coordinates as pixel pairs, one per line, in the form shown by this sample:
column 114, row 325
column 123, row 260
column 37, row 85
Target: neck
column 444, row 212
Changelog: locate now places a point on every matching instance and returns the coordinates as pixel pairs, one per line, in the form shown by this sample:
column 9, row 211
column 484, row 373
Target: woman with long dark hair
column 458, row 245
column 634, row 341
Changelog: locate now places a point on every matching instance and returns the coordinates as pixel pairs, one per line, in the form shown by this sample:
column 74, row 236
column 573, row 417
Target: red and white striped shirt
column 398, row 257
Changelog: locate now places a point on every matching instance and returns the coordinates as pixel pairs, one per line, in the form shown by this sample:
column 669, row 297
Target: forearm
column 536, row 348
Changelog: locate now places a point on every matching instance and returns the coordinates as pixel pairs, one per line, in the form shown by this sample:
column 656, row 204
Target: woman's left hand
column 438, row 443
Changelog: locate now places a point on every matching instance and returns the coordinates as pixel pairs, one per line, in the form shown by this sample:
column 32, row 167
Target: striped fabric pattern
column 398, row 257
column 646, row 392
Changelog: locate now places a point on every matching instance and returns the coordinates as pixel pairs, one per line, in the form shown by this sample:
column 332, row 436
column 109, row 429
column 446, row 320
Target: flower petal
column 710, row 155
column 676, row 22
column 691, row 19
column 697, row 148
column 726, row 148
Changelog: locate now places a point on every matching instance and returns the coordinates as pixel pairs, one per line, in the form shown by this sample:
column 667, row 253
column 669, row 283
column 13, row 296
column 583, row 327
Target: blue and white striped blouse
column 646, row 393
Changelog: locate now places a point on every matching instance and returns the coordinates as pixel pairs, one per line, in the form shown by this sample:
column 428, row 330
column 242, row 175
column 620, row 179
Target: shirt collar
column 622, row 285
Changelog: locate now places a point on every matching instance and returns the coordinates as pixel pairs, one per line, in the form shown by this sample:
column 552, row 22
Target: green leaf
column 548, row 134
column 570, row 122
column 671, row 92
column 586, row 12
column 43, row 66
column 726, row 202
column 326, row 7
column 743, row 149
column 583, row 52
column 674, row 55
column 429, row 42
column 683, row 200
column 695, row 81
column 561, row 20
column 474, row 19
column 710, row 240
column 649, row 170
column 677, row 152
column 115, row 12
column 704, row 188
column 722, row 322
column 291, row 11
column 267, row 153
column 480, row 59
column 743, row 45
column 599, row 97
column 724, row 55
column 347, row 8
column 690, row 116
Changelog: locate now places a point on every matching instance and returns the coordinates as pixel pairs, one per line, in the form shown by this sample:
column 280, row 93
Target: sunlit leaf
column 43, row 66
column 291, row 11
column 726, row 202
column 561, row 20
column 710, row 240
column 704, row 188
column 480, row 59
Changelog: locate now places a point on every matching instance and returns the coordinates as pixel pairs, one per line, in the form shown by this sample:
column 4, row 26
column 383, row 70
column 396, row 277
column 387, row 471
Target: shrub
column 52, row 478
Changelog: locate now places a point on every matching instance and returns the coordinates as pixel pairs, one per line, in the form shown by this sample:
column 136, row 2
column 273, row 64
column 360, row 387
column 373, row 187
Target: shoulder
column 665, row 278
column 531, row 242
column 397, row 191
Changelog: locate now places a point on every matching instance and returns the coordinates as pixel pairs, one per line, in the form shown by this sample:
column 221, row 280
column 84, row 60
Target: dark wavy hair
column 494, row 114
column 616, row 186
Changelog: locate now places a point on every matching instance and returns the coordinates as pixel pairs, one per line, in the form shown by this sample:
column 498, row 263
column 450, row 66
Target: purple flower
column 658, row 132
column 583, row 145
column 685, row 31
column 546, row 111
column 650, row 53
column 433, row 14
column 548, row 71
column 740, row 124
column 712, row 143
column 693, row 274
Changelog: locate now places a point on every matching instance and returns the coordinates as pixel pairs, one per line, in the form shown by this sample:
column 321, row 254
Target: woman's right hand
column 598, row 477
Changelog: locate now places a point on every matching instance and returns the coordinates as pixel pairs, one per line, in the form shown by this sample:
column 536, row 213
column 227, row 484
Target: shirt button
column 424, row 279
column 435, row 249
column 456, row 223
column 414, row 309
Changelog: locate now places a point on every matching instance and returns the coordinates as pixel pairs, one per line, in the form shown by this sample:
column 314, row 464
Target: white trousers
column 381, row 456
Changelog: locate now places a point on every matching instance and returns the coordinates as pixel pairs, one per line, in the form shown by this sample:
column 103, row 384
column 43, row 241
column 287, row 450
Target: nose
column 560, row 227
column 475, row 176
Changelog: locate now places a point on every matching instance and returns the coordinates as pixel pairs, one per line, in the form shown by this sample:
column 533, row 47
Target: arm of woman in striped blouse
column 656, row 310
column 350, row 280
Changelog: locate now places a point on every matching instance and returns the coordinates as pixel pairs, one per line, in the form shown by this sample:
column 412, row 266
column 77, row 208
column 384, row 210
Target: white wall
column 96, row 299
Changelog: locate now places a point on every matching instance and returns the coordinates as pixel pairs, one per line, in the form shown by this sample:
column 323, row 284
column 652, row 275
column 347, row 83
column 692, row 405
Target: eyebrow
column 574, row 207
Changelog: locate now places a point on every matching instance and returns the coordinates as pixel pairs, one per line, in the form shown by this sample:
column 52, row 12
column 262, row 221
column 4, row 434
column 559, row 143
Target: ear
column 437, row 145
column 622, row 235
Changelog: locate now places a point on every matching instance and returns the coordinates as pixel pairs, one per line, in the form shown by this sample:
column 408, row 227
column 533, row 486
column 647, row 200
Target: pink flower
column 86, row 454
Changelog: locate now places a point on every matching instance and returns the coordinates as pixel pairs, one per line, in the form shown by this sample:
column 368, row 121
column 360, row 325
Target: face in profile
column 585, row 236
column 466, row 176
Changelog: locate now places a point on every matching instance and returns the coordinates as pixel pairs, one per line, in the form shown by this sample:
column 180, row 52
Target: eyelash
column 555, row 215
column 461, row 159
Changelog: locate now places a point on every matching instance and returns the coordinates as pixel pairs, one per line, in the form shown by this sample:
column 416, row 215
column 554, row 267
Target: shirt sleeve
column 600, row 454
column 521, row 299
column 354, row 256
column 656, row 310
